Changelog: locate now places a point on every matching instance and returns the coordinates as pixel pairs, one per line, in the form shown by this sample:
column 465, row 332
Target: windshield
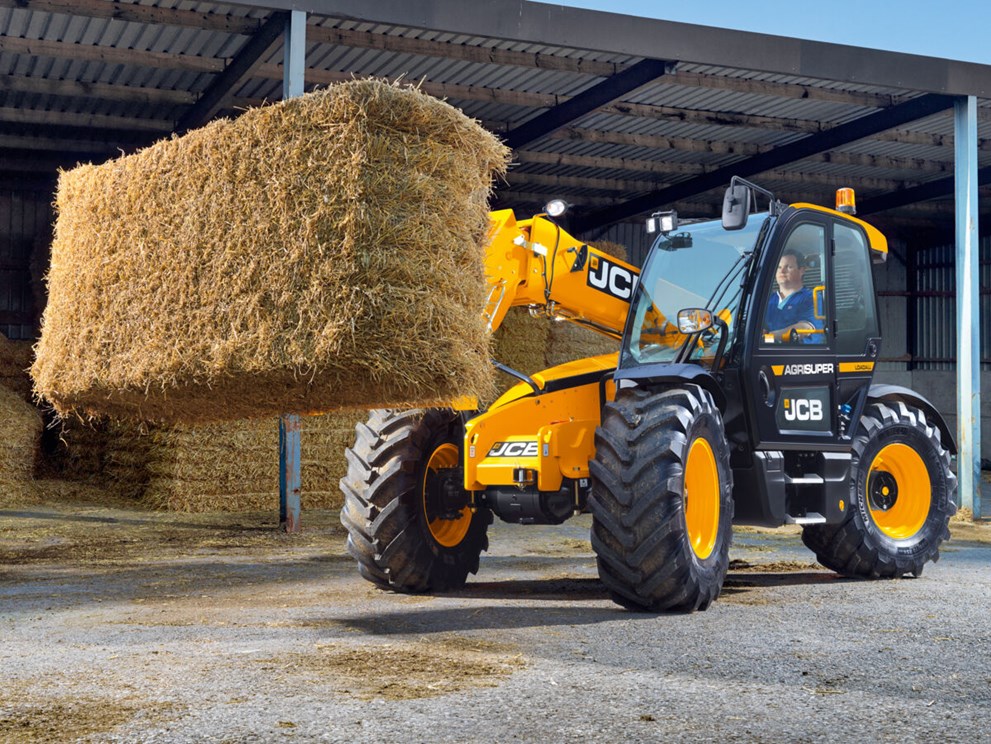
column 700, row 265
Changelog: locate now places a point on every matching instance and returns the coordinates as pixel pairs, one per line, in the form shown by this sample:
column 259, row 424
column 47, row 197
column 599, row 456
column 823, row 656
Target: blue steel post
column 290, row 482
column 968, row 304
column 290, row 479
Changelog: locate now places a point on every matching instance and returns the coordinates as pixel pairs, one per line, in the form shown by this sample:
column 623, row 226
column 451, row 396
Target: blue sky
column 955, row 29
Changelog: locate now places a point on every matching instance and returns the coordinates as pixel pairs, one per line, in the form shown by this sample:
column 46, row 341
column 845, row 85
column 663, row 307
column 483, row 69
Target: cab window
column 795, row 307
column 856, row 315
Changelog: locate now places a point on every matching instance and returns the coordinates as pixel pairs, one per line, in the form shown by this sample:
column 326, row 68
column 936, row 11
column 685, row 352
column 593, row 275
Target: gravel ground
column 129, row 626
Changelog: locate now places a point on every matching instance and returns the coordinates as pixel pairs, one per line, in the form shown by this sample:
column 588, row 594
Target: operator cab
column 773, row 312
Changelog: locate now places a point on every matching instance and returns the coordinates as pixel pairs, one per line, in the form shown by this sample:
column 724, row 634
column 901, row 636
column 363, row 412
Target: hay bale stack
column 521, row 343
column 41, row 254
column 236, row 467
column 15, row 360
column 226, row 467
column 320, row 253
column 20, row 440
column 534, row 344
column 79, row 451
column 567, row 342
column 615, row 250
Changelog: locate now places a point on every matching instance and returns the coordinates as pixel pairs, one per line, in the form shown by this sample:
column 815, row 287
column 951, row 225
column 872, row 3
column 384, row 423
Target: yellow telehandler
column 742, row 392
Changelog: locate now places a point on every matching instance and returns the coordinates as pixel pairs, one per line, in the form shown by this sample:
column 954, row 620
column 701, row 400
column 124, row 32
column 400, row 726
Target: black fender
column 910, row 397
column 650, row 374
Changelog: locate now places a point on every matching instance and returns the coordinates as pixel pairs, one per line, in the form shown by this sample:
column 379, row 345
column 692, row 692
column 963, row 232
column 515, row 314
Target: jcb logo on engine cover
column 611, row 278
column 803, row 409
column 800, row 409
column 513, row 449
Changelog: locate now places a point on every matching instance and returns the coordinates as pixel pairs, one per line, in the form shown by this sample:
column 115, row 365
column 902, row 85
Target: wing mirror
column 736, row 206
column 694, row 319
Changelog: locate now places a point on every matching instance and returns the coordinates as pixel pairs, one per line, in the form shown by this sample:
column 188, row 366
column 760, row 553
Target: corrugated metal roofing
column 74, row 75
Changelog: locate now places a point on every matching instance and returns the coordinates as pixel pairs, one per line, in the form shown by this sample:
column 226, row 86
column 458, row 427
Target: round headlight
column 556, row 207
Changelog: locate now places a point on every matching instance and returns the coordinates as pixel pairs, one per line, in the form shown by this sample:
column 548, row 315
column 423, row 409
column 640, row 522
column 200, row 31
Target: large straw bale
column 521, row 343
column 15, row 360
column 616, row 250
column 320, row 253
column 227, row 467
column 531, row 344
column 568, row 342
column 20, row 438
column 230, row 467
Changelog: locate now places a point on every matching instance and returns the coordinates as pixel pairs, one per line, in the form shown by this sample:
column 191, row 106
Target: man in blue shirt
column 791, row 307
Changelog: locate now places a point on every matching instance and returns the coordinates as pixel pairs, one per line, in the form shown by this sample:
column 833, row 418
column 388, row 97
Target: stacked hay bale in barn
column 315, row 254
column 15, row 360
column 521, row 343
column 569, row 341
column 20, row 439
column 531, row 344
column 319, row 254
column 232, row 466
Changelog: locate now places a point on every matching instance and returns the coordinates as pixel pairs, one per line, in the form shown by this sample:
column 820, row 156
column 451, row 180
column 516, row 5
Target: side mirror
column 694, row 319
column 736, row 207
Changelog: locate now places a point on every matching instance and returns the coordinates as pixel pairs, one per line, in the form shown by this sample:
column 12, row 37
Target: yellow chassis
column 550, row 435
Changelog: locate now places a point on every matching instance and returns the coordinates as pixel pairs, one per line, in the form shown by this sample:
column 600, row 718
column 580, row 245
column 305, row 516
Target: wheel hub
column 445, row 502
column 882, row 490
column 445, row 496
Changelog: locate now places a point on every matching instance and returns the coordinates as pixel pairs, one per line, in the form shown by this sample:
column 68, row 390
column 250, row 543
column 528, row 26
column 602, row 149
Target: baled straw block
column 231, row 467
column 521, row 343
column 320, row 253
column 567, row 342
column 20, row 438
column 532, row 344
column 15, row 360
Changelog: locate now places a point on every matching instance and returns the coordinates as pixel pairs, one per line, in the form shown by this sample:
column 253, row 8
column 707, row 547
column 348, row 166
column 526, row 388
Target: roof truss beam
column 932, row 190
column 240, row 67
column 890, row 118
column 425, row 47
column 231, row 24
column 111, row 55
column 607, row 91
column 913, row 165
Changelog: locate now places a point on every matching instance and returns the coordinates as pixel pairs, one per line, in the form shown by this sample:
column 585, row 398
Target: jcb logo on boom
column 800, row 409
column 611, row 278
column 513, row 449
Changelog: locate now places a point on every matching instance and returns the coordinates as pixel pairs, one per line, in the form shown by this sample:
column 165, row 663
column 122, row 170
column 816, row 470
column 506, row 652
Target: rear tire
column 386, row 503
column 902, row 495
column 653, row 551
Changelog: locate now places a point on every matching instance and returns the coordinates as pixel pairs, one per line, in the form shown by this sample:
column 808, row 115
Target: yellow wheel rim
column 899, row 492
column 701, row 498
column 447, row 532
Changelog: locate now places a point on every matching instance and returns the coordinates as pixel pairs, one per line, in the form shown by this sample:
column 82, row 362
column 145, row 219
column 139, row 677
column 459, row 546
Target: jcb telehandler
column 709, row 415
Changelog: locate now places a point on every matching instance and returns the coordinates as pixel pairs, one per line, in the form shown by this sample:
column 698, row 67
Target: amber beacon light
column 846, row 201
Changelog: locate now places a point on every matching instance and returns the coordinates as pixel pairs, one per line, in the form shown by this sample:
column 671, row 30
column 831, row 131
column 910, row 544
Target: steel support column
column 290, row 450
column 294, row 59
column 968, row 305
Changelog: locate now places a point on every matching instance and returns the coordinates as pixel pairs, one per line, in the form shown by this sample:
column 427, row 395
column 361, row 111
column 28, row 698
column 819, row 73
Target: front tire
column 661, row 499
column 902, row 495
column 396, row 529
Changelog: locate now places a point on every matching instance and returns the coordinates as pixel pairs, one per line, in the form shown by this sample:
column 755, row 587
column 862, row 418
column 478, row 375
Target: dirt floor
column 122, row 625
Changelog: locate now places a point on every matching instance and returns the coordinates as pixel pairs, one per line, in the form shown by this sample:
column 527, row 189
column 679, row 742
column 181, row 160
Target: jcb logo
column 513, row 449
column 800, row 409
column 611, row 278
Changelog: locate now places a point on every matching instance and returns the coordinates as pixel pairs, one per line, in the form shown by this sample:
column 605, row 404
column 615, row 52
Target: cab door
column 792, row 371
column 805, row 388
